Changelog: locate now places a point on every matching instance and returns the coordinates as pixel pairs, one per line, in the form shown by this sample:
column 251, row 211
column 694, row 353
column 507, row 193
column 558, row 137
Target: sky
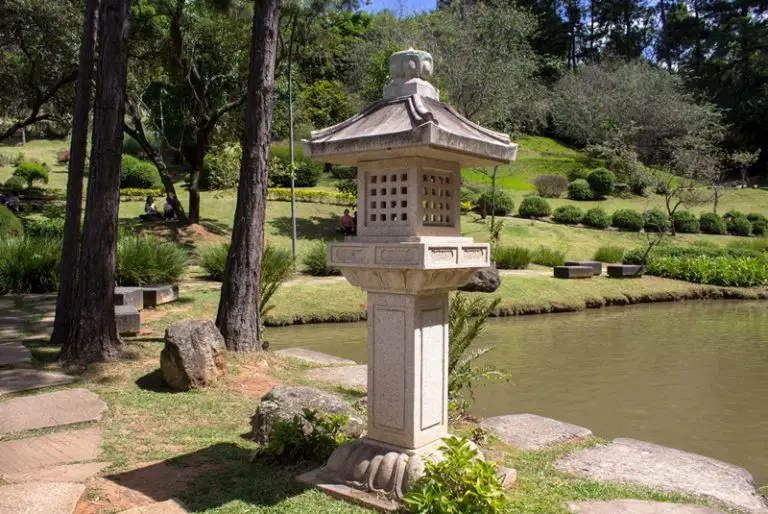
column 398, row 6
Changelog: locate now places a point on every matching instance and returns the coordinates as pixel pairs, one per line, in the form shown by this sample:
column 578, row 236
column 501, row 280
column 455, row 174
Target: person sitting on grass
column 13, row 202
column 347, row 223
column 168, row 210
column 150, row 211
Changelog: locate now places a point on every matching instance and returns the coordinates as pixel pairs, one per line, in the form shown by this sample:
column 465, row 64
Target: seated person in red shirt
column 347, row 223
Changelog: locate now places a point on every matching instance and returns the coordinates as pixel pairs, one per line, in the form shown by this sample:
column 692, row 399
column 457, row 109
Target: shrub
column 131, row 146
column 578, row 173
column 627, row 219
column 137, row 173
column 29, row 265
column 31, row 172
column 10, row 225
column 723, row 271
column 608, row 253
column 137, row 193
column 534, row 207
column 636, row 256
column 144, row 260
column 467, row 194
column 579, row 190
column 656, row 220
column 567, row 215
column 53, row 228
column 500, row 201
column 347, row 187
column 759, row 224
column 316, row 261
column 640, row 181
column 738, row 225
column 596, row 218
column 685, row 222
column 465, row 207
column 551, row 186
column 460, row 483
column 213, row 260
column 601, row 182
column 711, row 223
column 309, row 437
column 221, row 168
column 15, row 184
column 511, row 257
column 307, row 171
column 344, row 172
column 545, row 256
column 310, row 196
column 62, row 156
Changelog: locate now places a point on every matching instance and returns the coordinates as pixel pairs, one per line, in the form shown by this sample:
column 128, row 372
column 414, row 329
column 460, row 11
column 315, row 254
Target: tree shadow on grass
column 314, row 227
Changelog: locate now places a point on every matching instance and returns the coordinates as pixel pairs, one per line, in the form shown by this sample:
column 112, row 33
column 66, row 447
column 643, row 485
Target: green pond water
column 691, row 375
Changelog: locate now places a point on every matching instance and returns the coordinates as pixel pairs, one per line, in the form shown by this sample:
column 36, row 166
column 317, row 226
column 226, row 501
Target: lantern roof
column 410, row 122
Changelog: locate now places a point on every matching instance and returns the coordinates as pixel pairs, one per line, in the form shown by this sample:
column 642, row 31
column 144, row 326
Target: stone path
column 346, row 376
column 166, row 507
column 23, row 455
column 15, row 380
column 14, row 353
column 64, row 473
column 50, row 410
column 40, row 498
column 313, row 357
column 651, row 465
column 532, row 432
column 636, row 507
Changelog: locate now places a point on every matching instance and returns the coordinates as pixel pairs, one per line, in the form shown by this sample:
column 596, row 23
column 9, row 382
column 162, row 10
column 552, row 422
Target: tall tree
column 238, row 317
column 77, row 148
column 93, row 335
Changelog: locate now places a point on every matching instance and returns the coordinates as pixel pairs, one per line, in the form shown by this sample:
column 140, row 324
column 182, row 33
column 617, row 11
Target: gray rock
column 355, row 377
column 283, row 403
column 129, row 296
column 15, row 380
column 193, row 355
column 574, row 272
column 13, row 353
column 636, row 507
column 507, row 476
column 40, row 498
column 127, row 319
column 484, row 280
column 313, row 357
column 651, row 465
column 158, row 295
column 50, row 410
column 532, row 432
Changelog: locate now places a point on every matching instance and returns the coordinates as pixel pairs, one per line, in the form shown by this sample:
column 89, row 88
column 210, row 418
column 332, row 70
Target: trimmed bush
column 307, row 171
column 568, row 215
column 136, row 173
column 137, row 193
column 46, row 227
column 311, row 196
column 608, row 253
column 627, row 219
column 501, row 203
column 602, row 182
column 685, row 222
column 31, row 172
column 640, row 181
column 596, row 218
column 16, row 184
column 534, row 207
column 711, row 223
column 738, row 225
column 10, row 225
column 221, row 168
column 550, row 186
column 511, row 257
column 213, row 259
column 759, row 224
column 29, row 265
column 145, row 260
column 579, row 190
column 545, row 256
column 578, row 173
column 316, row 261
column 636, row 256
column 656, row 220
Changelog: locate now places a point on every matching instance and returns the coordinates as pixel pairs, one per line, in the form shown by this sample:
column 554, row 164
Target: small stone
column 355, row 377
column 171, row 506
column 40, row 498
column 158, row 295
column 129, row 296
column 507, row 476
column 50, row 410
column 574, row 272
column 484, row 280
column 636, row 507
column 532, row 432
column 15, row 380
column 127, row 319
column 637, row 462
column 63, row 473
column 13, row 353
column 193, row 356
column 625, row 270
column 22, row 455
column 313, row 357
column 283, row 403
column 597, row 266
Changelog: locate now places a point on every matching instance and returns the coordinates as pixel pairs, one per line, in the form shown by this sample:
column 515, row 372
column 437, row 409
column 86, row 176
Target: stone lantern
column 408, row 255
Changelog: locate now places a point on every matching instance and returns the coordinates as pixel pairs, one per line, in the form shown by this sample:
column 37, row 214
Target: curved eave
column 426, row 140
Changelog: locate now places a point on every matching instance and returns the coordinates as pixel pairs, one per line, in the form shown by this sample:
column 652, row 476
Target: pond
column 691, row 375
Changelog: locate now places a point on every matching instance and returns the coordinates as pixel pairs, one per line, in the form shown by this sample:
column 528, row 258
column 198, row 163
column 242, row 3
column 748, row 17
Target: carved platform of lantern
column 408, row 255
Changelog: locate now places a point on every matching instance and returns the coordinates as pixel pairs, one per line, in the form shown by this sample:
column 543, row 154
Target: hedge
column 278, row 194
column 567, row 215
column 596, row 218
column 500, row 201
column 138, row 193
column 627, row 219
column 579, row 190
column 685, row 222
column 601, row 182
column 722, row 271
column 534, row 207
column 711, row 223
column 635, row 256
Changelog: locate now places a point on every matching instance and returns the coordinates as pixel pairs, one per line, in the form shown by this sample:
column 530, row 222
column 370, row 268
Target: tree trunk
column 93, row 335
column 238, row 317
column 71, row 245
column 196, row 160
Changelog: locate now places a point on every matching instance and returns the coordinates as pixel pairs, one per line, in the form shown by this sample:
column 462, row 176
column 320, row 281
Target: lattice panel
column 387, row 198
column 437, row 200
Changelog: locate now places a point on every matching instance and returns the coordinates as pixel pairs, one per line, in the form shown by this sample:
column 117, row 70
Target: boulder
column 532, row 432
column 283, row 403
column 193, row 355
column 484, row 280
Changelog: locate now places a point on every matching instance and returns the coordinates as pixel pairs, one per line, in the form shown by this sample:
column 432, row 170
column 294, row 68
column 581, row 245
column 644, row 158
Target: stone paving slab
column 23, row 455
column 636, row 507
column 13, row 353
column 532, row 432
column 347, row 376
column 40, row 498
column 313, row 357
column 637, row 462
column 50, row 410
column 15, row 380
column 167, row 507
column 63, row 473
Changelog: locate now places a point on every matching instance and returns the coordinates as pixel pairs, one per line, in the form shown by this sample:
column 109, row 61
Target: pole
column 290, row 144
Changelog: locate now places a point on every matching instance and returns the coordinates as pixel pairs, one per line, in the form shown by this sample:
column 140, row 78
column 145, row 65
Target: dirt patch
column 253, row 380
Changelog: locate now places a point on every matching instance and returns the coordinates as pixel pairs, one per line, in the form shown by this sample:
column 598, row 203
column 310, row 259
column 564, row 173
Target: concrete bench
column 574, row 272
column 127, row 319
column 129, row 296
column 158, row 295
column 625, row 270
column 596, row 266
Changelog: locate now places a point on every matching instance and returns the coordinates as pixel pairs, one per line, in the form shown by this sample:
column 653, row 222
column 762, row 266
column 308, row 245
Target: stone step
column 14, row 353
column 129, row 296
column 574, row 272
column 313, row 357
column 50, row 410
column 127, row 319
column 15, row 380
column 636, row 507
column 24, row 455
column 532, row 432
column 40, row 498
column 346, row 376
column 159, row 295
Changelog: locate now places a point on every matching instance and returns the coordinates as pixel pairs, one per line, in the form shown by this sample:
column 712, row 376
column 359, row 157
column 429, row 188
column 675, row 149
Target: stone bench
column 127, row 319
column 625, row 270
column 574, row 272
column 158, row 295
column 596, row 266
column 129, row 296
